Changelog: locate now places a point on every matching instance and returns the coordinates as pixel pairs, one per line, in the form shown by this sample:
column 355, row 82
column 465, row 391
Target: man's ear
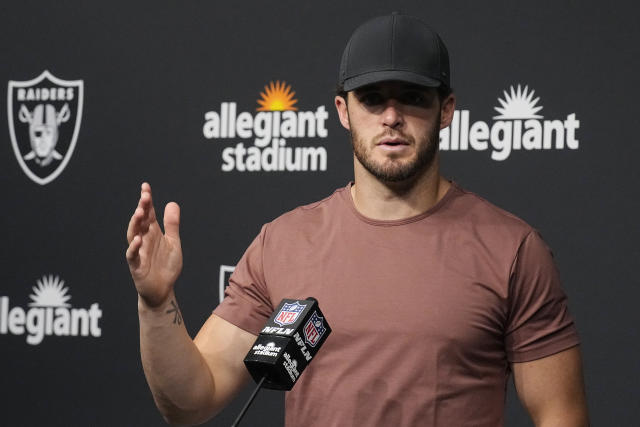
column 447, row 108
column 343, row 114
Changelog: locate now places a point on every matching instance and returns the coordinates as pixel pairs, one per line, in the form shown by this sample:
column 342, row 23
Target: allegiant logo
column 517, row 127
column 49, row 314
column 277, row 120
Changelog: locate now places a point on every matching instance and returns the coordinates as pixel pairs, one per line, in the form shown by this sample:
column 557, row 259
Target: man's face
column 43, row 130
column 394, row 127
column 43, row 139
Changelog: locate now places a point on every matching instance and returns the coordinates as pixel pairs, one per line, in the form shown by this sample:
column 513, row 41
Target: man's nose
column 392, row 114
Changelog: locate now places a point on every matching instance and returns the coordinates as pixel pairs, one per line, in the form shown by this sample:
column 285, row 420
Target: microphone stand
column 246, row 406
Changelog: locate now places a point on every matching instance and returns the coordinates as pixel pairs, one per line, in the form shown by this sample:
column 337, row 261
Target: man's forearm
column 568, row 414
column 566, row 420
column 179, row 378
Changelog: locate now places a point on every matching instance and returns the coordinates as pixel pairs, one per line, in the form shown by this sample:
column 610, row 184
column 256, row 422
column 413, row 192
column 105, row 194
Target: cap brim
column 391, row 75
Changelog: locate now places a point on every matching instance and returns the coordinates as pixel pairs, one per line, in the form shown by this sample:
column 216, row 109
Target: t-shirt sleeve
column 246, row 301
column 539, row 323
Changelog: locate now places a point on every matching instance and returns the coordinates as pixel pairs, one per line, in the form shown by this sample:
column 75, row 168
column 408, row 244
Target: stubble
column 397, row 170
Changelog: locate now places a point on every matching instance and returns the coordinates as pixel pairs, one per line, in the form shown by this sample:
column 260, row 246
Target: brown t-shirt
column 427, row 312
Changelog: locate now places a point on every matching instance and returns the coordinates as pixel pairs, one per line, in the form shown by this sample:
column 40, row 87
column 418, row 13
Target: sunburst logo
column 50, row 292
column 277, row 96
column 518, row 127
column 518, row 104
column 49, row 313
column 264, row 133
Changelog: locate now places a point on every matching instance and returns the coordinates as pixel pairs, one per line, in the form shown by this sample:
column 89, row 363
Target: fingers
column 172, row 220
column 134, row 224
column 132, row 250
column 146, row 202
column 144, row 215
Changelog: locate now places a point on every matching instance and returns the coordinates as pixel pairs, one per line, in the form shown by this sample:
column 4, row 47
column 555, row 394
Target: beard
column 397, row 170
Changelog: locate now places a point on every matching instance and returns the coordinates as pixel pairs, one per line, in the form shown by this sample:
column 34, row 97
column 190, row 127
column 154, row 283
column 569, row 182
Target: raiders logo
column 44, row 121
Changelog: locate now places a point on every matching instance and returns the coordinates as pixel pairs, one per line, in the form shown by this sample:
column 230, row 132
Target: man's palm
column 155, row 260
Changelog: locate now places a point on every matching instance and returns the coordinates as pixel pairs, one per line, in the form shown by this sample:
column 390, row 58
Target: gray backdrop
column 152, row 70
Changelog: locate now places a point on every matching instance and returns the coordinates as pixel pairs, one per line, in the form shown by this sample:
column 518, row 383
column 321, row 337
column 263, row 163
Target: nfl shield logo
column 44, row 121
column 289, row 313
column 314, row 329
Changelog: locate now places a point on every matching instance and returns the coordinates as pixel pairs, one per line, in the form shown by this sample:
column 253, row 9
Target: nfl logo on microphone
column 314, row 329
column 289, row 313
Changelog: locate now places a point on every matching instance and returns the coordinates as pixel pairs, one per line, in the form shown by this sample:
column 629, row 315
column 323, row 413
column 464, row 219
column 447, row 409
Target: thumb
column 172, row 220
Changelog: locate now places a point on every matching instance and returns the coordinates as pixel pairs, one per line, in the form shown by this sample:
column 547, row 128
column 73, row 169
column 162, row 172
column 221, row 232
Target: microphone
column 288, row 342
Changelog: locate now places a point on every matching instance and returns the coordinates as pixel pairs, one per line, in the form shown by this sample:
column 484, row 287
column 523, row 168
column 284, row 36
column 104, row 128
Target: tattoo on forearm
column 177, row 316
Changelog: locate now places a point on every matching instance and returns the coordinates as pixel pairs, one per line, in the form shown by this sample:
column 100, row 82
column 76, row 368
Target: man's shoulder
column 473, row 210
column 310, row 213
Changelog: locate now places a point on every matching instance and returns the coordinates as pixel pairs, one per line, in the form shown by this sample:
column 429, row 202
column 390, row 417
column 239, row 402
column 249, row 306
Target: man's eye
column 414, row 98
column 371, row 98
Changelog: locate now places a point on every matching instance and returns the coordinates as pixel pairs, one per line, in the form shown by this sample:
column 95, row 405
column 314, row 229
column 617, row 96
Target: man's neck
column 380, row 200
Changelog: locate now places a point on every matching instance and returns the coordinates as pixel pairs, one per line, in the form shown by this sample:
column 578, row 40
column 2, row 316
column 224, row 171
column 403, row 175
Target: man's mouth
column 392, row 143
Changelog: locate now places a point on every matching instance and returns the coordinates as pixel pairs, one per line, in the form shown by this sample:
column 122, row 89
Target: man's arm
column 190, row 380
column 552, row 389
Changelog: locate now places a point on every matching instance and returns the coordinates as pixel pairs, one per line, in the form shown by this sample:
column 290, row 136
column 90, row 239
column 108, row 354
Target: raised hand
column 155, row 259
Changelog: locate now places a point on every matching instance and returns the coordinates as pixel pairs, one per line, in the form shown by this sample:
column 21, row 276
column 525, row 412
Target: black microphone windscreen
column 288, row 342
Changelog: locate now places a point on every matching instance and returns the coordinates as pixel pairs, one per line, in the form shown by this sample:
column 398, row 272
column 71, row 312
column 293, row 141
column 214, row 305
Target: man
column 434, row 295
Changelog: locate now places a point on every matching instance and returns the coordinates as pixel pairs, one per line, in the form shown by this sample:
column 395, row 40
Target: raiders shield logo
column 44, row 122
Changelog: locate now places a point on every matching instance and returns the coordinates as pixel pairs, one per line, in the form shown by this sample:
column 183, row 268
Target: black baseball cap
column 394, row 47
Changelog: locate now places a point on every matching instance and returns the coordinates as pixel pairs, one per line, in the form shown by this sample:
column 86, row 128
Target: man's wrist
column 144, row 306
